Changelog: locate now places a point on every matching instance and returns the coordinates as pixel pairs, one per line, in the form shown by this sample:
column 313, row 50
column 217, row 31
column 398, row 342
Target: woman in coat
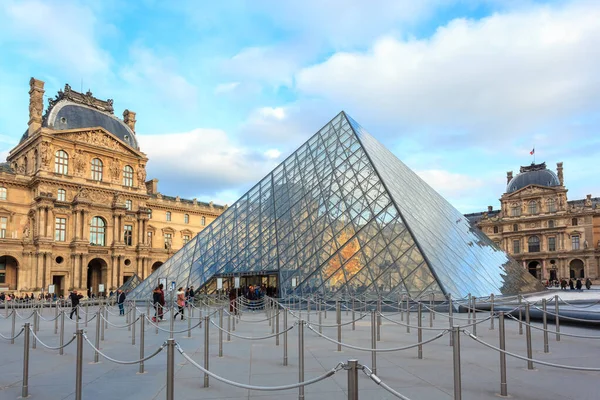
column 180, row 303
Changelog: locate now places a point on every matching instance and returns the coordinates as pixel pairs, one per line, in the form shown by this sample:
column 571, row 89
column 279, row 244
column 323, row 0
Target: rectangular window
column 168, row 240
column 3, row 223
column 60, row 229
column 2, row 273
column 551, row 244
column 575, row 242
column 186, row 239
column 61, row 195
column 128, row 235
column 516, row 246
column 128, row 205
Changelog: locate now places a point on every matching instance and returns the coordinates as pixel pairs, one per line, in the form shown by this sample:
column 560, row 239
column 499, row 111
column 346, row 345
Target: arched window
column 128, row 204
column 551, row 223
column 61, row 162
column 98, row 232
column 203, row 221
column 168, row 215
column 128, row 176
column 495, row 229
column 515, row 227
column 35, row 161
column 186, row 218
column 3, row 193
column 97, row 169
column 515, row 211
column 61, row 195
column 551, row 205
column 532, row 207
column 574, row 222
column 534, row 244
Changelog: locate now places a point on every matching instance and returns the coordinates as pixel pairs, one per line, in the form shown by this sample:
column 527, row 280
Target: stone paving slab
column 261, row 362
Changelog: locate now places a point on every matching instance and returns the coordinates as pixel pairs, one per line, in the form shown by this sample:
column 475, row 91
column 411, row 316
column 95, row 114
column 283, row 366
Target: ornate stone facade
column 76, row 211
column 552, row 237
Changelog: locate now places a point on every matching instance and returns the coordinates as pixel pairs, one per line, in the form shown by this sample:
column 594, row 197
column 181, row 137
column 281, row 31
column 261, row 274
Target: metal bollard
column 97, row 340
column 419, row 331
column 274, row 312
column 474, row 299
column 307, row 310
column 373, row 342
column 276, row 326
column 228, row 328
column 301, row 358
column 407, row 314
column 431, row 314
column 492, row 311
column 469, row 309
column 456, row 362
column 189, row 319
column 545, row 322
column 148, row 312
column 450, row 319
column 25, row 386
column 502, row 338
column 170, row 369
column 206, row 348
column 105, row 317
column 5, row 308
column 338, row 318
column 352, row 379
column 528, row 337
column 79, row 365
column 12, row 330
column 142, row 337
column 378, row 318
column 172, row 324
column 432, row 296
column 86, row 313
column 285, row 352
column 102, row 325
column 556, row 318
column 400, row 302
column 234, row 315
column 61, row 337
column 56, row 319
column 133, row 321
column 221, row 332
column 320, row 319
column 35, row 321
column 325, row 306
column 520, row 316
column 353, row 316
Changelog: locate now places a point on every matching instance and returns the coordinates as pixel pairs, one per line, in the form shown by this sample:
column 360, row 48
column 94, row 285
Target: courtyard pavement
column 260, row 362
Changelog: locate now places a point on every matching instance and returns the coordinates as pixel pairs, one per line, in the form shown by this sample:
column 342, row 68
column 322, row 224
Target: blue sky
column 459, row 90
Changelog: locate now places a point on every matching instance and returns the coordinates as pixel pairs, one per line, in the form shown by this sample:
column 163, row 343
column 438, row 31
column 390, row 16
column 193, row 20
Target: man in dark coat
column 121, row 301
column 75, row 303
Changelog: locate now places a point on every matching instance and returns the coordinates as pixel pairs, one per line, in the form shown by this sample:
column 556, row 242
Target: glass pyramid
column 342, row 215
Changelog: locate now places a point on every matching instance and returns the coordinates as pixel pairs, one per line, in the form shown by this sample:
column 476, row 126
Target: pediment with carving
column 98, row 137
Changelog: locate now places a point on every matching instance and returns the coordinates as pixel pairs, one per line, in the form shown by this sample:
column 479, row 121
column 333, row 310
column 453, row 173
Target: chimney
column 129, row 119
column 490, row 208
column 508, row 177
column 152, row 186
column 559, row 170
column 36, row 105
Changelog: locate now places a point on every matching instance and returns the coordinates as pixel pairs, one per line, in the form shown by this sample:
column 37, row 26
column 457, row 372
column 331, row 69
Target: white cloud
column 272, row 153
column 63, row 34
column 277, row 113
column 448, row 183
column 271, row 66
column 203, row 160
column 473, row 80
column 226, row 87
column 157, row 76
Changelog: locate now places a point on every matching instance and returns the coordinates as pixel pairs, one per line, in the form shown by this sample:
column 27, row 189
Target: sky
column 460, row 90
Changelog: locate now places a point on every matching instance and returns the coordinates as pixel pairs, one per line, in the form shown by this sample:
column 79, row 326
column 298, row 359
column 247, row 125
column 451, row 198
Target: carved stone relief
column 45, row 154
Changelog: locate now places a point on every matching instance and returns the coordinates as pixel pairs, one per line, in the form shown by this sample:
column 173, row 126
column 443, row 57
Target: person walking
column 161, row 311
column 578, row 285
column 121, row 301
column 75, row 304
column 180, row 303
column 588, row 283
column 156, row 302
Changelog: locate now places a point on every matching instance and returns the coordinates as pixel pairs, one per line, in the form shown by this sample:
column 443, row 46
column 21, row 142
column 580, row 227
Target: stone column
column 114, row 230
column 85, row 234
column 113, row 275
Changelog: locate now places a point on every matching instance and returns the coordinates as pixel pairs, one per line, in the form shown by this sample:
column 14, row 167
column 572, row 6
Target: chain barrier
column 168, row 330
column 124, row 362
column 311, row 381
column 118, row 326
column 252, row 338
column 13, row 337
column 549, row 364
column 589, row 321
column 51, row 347
column 379, row 382
column 552, row 331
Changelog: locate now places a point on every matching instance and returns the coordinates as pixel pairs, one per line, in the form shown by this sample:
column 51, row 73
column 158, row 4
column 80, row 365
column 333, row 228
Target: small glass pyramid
column 343, row 215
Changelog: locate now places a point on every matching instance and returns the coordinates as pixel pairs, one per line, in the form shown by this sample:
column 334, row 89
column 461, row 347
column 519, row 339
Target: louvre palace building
column 76, row 209
column 551, row 236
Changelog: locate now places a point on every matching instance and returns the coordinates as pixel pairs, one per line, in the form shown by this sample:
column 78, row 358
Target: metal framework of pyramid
column 343, row 215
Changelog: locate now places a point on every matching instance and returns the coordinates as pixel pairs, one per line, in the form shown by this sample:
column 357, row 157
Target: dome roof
column 533, row 175
column 68, row 115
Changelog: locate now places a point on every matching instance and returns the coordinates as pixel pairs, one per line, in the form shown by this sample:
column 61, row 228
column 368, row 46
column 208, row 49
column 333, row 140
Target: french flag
column 532, row 152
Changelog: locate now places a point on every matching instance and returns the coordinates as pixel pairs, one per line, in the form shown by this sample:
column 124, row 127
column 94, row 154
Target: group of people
column 182, row 299
column 27, row 298
column 573, row 284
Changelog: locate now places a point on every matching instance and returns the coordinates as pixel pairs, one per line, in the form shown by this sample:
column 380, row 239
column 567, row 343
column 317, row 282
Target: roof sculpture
column 343, row 215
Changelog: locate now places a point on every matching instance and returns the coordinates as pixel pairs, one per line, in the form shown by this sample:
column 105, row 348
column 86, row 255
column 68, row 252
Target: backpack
column 155, row 297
